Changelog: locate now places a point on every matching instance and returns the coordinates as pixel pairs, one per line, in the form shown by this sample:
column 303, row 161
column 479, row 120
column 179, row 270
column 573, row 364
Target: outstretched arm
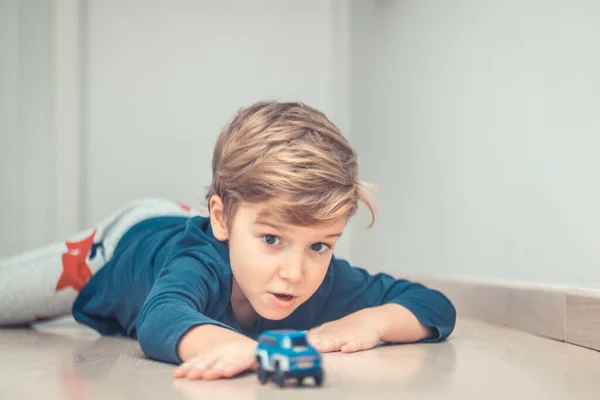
column 364, row 309
column 174, row 324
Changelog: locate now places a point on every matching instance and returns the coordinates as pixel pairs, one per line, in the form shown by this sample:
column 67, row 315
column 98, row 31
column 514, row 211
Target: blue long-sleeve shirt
column 169, row 274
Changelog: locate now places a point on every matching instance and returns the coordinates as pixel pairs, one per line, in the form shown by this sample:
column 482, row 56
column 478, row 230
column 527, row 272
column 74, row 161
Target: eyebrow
column 283, row 229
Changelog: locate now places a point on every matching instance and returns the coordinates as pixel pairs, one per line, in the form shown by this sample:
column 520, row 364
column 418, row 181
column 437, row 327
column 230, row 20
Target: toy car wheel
column 279, row 377
column 319, row 378
column 263, row 375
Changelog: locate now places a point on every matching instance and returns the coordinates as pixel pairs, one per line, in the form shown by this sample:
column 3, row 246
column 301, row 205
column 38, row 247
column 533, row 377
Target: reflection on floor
column 62, row 360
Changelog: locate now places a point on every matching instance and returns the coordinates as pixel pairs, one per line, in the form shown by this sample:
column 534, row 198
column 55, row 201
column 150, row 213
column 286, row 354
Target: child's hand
column 355, row 332
column 223, row 360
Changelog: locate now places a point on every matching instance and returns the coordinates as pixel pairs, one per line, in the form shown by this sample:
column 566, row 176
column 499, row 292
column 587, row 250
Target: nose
column 292, row 268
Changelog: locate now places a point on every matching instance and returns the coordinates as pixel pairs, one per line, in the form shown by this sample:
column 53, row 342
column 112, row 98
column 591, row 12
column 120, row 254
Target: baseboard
column 564, row 314
column 582, row 321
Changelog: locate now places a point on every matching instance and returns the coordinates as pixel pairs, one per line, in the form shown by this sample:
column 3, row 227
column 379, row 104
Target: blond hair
column 291, row 155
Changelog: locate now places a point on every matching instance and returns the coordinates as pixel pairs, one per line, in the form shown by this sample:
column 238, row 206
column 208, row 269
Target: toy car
column 283, row 354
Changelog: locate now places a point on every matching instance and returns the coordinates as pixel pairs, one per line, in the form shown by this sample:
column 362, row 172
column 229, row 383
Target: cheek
column 248, row 259
column 242, row 247
column 315, row 274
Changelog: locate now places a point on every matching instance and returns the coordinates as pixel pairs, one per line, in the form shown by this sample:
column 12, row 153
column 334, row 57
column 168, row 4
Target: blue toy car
column 283, row 354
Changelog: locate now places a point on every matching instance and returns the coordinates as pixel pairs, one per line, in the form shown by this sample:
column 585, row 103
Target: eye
column 320, row 248
column 270, row 240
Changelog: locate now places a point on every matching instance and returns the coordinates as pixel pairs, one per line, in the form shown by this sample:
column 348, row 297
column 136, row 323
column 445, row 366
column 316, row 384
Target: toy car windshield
column 299, row 344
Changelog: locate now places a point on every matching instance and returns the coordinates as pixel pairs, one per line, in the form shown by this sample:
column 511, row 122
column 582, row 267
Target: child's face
column 276, row 266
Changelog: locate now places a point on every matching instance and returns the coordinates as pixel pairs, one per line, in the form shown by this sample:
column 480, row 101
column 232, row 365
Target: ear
column 218, row 220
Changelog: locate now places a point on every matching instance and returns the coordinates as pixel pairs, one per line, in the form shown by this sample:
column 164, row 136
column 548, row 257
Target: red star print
column 184, row 207
column 76, row 271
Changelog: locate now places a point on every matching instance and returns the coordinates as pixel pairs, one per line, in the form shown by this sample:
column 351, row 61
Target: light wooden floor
column 61, row 360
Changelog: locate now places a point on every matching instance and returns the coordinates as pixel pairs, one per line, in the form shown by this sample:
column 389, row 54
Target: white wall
column 161, row 79
column 26, row 137
column 479, row 121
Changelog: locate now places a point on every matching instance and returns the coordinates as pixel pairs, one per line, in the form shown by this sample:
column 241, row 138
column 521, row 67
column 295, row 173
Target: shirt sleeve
column 185, row 289
column 352, row 289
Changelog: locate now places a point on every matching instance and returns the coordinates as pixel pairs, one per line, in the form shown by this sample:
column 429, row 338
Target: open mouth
column 282, row 296
column 283, row 300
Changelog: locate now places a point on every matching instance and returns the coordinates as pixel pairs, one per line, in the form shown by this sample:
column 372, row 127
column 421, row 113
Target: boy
column 197, row 290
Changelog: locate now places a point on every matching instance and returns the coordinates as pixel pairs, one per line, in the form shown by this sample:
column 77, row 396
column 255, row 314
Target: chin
column 275, row 315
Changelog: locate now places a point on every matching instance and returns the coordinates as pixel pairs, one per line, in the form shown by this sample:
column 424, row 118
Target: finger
column 213, row 373
column 351, row 346
column 254, row 365
column 327, row 345
column 229, row 369
column 198, row 369
column 320, row 344
column 316, row 338
column 182, row 370
column 237, row 368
